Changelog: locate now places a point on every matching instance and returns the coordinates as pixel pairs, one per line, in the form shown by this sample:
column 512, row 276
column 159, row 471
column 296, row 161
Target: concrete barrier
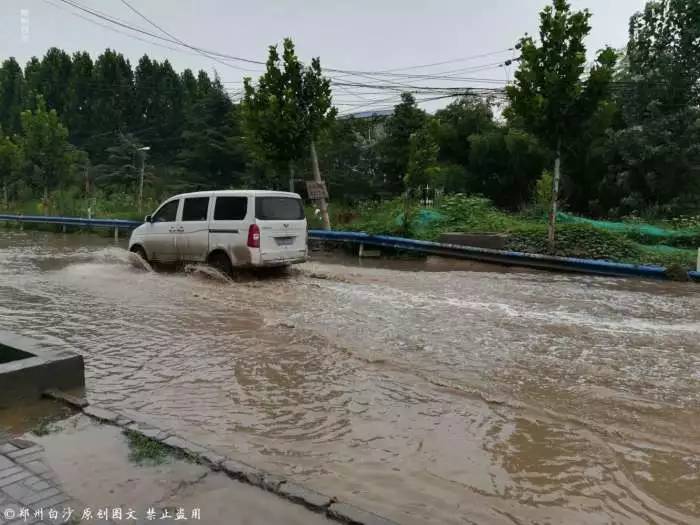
column 27, row 369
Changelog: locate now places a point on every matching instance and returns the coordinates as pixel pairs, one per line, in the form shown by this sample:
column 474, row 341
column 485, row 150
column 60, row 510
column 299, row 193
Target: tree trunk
column 4, row 194
column 555, row 197
column 46, row 200
column 291, row 176
column 317, row 178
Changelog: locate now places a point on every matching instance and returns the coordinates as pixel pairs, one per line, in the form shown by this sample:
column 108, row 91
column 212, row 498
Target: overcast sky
column 368, row 35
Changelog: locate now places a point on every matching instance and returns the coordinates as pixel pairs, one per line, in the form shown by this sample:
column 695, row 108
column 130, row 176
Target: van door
column 160, row 238
column 282, row 228
column 228, row 229
column 193, row 227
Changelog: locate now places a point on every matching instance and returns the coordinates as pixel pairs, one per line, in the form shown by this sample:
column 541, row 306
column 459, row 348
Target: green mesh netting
column 646, row 230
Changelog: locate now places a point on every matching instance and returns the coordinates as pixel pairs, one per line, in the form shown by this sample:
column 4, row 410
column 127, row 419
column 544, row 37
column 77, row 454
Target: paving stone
column 100, row 413
column 18, row 491
column 271, row 482
column 183, row 444
column 213, row 459
column 355, row 516
column 78, row 402
column 243, row 472
column 24, row 452
column 14, row 478
column 28, row 458
column 307, row 497
column 38, row 467
column 6, row 448
column 54, row 502
column 31, row 480
column 10, row 471
column 40, row 495
column 41, row 485
column 5, row 463
column 22, row 443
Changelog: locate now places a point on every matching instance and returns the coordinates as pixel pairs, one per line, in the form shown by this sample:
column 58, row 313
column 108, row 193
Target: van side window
column 195, row 209
column 167, row 212
column 230, row 208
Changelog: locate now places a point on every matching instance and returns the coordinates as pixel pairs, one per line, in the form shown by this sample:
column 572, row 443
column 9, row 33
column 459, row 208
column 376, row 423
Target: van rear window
column 278, row 209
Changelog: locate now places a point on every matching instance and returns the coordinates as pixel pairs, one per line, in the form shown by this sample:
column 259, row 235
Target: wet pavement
column 454, row 394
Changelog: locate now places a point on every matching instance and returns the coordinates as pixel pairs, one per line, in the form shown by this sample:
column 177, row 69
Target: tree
column 460, row 120
column 395, row 148
column 550, row 97
column 80, row 106
column 504, row 164
column 12, row 96
column 422, row 158
column 284, row 114
column 212, row 152
column 48, row 154
column 654, row 156
column 113, row 101
column 10, row 165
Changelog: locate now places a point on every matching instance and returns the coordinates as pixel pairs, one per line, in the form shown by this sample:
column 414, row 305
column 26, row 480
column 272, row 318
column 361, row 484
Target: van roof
column 239, row 193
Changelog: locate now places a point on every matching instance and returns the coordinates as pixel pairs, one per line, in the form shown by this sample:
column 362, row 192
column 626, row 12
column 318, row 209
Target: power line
column 181, row 42
column 153, row 35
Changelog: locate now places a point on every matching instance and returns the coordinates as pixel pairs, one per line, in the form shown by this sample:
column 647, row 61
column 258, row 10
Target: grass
column 144, row 450
column 45, row 427
column 526, row 233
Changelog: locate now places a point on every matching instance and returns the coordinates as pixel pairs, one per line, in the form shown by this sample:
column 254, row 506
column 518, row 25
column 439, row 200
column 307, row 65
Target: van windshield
column 278, row 209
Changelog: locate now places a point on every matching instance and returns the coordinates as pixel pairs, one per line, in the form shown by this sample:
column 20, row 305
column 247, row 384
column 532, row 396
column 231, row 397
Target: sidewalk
column 29, row 491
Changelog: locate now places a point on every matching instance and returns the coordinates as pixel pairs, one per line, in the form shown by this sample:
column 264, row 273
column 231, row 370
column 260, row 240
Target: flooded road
column 447, row 395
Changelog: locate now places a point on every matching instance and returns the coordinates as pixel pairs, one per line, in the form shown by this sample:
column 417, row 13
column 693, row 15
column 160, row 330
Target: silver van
column 225, row 229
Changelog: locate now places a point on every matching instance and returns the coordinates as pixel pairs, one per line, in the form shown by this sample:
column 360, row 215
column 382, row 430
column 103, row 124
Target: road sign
column 316, row 190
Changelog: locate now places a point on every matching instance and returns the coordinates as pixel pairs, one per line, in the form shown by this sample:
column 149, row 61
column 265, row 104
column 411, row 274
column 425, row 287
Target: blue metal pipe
column 497, row 256
column 73, row 221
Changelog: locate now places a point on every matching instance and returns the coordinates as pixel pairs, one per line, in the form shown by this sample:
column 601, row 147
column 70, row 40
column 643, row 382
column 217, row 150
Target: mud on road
column 428, row 392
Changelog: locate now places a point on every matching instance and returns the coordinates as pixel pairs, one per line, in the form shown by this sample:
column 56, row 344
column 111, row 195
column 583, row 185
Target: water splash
column 207, row 272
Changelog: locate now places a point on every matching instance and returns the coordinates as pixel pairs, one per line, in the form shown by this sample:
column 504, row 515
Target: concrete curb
column 289, row 490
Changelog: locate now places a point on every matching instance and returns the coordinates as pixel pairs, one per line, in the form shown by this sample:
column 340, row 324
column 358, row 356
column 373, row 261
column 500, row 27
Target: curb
column 278, row 485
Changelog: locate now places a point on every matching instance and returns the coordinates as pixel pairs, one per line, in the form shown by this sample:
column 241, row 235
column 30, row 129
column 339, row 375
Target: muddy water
column 446, row 395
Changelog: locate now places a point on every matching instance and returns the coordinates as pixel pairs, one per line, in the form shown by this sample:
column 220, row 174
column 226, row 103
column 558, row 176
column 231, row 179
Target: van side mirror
column 148, row 218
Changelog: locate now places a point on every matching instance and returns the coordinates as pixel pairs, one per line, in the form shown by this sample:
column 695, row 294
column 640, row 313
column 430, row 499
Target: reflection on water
column 446, row 395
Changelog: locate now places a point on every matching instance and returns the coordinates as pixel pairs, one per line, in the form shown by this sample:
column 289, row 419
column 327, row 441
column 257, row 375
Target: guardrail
column 508, row 258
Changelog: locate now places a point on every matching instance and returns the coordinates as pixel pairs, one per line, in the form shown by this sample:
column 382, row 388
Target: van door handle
column 181, row 229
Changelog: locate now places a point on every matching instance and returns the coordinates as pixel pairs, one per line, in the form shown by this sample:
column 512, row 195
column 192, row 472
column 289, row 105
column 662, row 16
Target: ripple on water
column 425, row 396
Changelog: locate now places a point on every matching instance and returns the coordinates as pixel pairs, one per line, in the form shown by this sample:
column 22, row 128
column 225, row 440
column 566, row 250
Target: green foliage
column 395, row 147
column 287, row 109
column 45, row 427
column 144, row 450
column 543, row 193
column 47, row 153
column 422, row 158
column 576, row 240
column 10, row 166
column 654, row 154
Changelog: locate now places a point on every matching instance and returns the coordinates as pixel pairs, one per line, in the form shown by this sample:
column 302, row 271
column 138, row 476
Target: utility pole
column 317, row 178
column 142, row 151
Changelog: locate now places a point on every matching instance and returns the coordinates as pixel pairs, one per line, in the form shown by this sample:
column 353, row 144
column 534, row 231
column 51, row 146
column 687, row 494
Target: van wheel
column 140, row 252
column 221, row 262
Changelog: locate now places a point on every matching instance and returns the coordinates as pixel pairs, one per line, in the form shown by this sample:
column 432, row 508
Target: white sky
column 359, row 34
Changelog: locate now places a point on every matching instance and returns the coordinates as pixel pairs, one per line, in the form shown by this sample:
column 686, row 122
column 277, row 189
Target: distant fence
column 508, row 258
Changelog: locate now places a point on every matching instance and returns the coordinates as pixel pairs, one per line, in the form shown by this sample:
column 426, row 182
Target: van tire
column 138, row 250
column 221, row 262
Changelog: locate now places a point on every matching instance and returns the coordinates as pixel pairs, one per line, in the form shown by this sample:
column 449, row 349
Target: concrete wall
column 45, row 369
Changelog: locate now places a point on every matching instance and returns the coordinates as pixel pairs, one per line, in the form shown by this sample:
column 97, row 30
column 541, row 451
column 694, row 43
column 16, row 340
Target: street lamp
column 144, row 149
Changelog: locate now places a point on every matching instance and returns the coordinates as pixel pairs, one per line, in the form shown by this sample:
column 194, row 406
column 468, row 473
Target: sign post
column 320, row 188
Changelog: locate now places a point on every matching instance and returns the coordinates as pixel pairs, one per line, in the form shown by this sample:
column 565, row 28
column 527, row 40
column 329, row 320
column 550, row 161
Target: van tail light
column 253, row 236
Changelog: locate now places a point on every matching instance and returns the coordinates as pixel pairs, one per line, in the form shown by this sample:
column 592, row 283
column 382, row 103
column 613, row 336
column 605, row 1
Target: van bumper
column 279, row 259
